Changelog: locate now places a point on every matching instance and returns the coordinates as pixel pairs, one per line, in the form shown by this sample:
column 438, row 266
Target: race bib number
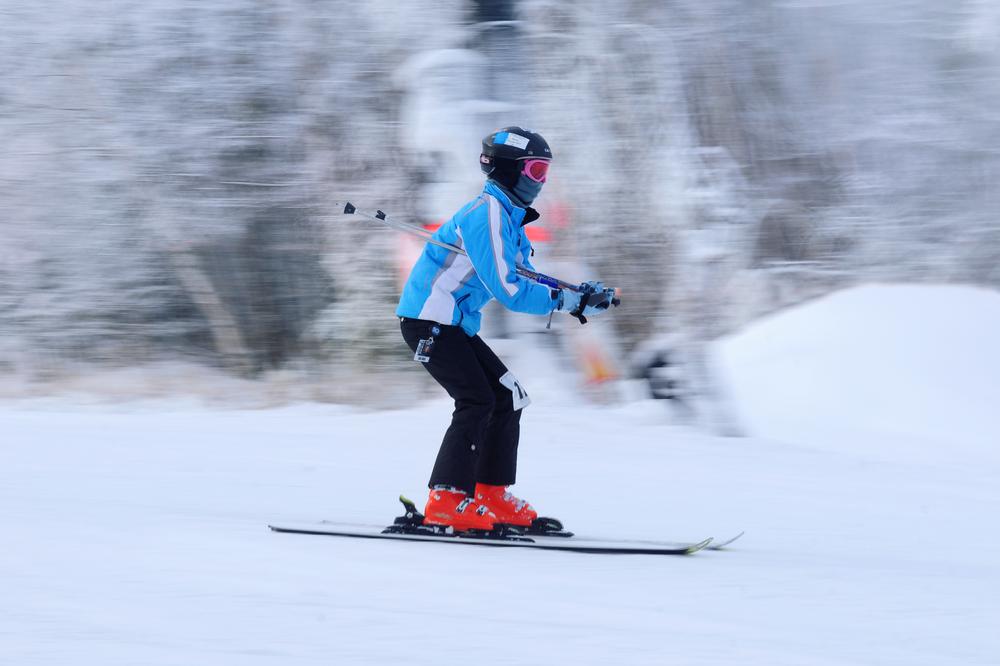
column 521, row 399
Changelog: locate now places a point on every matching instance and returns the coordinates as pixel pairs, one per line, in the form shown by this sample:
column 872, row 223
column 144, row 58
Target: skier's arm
column 492, row 250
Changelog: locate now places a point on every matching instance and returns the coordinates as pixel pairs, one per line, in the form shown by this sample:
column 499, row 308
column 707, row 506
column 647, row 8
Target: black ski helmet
column 504, row 150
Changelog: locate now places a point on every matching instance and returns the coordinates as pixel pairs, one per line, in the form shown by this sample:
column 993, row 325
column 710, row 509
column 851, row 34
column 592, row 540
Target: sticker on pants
column 424, row 349
column 521, row 399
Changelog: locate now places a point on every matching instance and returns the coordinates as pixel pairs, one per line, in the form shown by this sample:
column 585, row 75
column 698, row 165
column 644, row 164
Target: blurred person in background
column 440, row 315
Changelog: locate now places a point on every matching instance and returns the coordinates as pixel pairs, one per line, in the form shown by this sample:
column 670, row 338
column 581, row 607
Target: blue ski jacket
column 452, row 289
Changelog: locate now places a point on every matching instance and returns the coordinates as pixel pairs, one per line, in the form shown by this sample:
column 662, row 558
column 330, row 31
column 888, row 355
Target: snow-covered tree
column 170, row 170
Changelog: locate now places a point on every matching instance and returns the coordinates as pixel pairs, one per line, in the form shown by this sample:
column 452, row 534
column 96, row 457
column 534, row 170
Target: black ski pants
column 480, row 445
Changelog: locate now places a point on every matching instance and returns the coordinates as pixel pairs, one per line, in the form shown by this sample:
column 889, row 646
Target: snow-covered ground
column 135, row 534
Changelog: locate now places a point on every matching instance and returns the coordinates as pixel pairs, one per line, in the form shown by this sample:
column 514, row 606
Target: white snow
column 917, row 364
column 135, row 534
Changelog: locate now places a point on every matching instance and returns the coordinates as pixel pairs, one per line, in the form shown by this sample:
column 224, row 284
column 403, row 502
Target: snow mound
column 917, row 364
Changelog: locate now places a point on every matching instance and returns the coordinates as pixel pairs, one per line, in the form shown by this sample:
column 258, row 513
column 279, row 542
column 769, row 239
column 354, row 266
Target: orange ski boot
column 453, row 508
column 508, row 509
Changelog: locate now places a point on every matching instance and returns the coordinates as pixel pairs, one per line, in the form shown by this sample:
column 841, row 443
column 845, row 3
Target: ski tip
column 701, row 545
column 719, row 545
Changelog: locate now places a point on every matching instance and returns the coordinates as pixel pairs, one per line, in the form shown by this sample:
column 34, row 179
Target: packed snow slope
column 136, row 534
column 918, row 364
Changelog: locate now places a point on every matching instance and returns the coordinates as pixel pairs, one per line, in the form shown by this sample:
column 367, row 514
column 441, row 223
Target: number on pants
column 520, row 396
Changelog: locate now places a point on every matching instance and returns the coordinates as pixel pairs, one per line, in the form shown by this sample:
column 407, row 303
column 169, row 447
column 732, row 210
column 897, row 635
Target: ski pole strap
column 578, row 312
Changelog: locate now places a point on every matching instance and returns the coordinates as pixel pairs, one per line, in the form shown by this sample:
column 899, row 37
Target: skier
column 440, row 316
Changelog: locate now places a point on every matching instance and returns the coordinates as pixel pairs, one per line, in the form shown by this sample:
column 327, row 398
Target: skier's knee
column 488, row 405
column 481, row 406
column 503, row 402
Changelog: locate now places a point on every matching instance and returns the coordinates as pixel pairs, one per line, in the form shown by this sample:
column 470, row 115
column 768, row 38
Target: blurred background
column 170, row 173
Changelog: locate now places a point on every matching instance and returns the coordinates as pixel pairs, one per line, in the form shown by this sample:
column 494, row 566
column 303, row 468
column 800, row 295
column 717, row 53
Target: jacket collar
column 516, row 212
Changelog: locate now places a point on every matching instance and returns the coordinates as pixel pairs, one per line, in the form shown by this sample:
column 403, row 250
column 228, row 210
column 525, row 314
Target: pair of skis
column 544, row 534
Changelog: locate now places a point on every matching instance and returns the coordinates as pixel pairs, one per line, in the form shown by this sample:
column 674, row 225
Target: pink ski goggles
column 537, row 170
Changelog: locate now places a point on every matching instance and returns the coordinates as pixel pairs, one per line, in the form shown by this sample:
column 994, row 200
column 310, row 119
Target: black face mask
column 527, row 189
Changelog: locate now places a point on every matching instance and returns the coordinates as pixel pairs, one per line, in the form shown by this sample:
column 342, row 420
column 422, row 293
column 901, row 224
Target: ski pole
column 379, row 216
column 540, row 278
